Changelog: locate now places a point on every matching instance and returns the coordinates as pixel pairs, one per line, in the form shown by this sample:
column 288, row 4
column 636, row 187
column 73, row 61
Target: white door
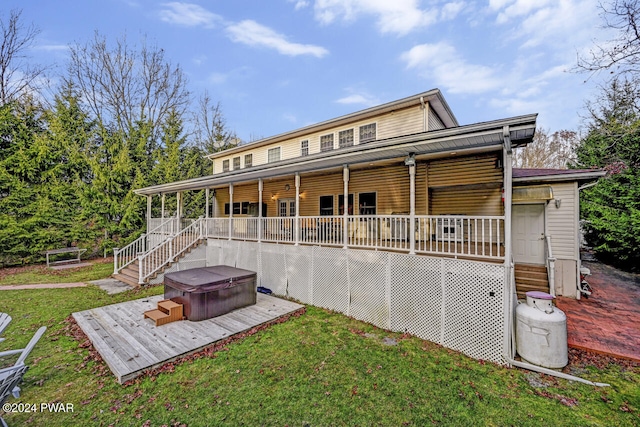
column 527, row 232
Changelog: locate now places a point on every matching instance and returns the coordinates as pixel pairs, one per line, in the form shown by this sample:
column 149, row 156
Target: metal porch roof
column 460, row 139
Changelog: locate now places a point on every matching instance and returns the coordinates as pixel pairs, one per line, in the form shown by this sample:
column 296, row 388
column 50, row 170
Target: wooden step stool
column 167, row 311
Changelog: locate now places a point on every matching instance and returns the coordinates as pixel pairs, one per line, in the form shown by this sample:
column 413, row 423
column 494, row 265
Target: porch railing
column 147, row 241
column 451, row 235
column 170, row 249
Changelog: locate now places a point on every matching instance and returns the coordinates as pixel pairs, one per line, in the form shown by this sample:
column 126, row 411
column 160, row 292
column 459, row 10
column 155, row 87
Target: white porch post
column 149, row 212
column 509, row 313
column 178, row 211
column 214, row 205
column 260, row 186
column 230, row 210
column 345, row 213
column 162, row 208
column 206, row 206
column 297, row 220
column 412, row 209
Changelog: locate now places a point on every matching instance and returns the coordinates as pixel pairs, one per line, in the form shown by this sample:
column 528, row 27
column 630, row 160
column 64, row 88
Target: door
column 287, row 212
column 527, row 231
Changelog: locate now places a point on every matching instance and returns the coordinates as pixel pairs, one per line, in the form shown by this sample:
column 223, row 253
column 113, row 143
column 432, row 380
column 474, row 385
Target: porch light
column 410, row 160
column 558, row 201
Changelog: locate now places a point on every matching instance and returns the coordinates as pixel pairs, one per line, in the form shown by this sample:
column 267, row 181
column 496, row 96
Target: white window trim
column 273, row 148
column 366, row 124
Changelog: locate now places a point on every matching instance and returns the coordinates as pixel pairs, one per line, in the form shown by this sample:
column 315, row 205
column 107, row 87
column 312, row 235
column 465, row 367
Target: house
column 546, row 225
column 396, row 215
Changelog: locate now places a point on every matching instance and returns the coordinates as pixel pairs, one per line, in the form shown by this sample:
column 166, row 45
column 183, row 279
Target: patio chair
column 10, row 378
column 24, row 352
column 5, row 319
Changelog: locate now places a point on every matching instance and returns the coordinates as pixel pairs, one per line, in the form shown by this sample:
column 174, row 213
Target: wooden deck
column 130, row 344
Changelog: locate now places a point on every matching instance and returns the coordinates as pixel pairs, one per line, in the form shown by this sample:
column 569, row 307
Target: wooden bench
column 76, row 251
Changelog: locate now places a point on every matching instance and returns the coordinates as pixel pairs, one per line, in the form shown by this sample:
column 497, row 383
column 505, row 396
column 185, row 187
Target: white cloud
column 217, row 78
column 188, row 15
column 300, row 4
column 359, row 98
column 441, row 63
column 561, row 24
column 52, row 47
column 397, row 16
column 290, row 118
column 451, row 10
column 253, row 34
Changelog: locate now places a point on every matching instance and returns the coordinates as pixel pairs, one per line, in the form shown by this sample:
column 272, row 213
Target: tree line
column 122, row 118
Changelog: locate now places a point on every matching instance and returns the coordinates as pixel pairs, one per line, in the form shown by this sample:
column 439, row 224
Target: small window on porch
column 367, row 203
column 248, row 160
column 326, row 205
column 345, row 138
column 304, row 148
column 245, row 208
column 236, row 163
column 326, row 142
column 341, row 204
column 225, row 165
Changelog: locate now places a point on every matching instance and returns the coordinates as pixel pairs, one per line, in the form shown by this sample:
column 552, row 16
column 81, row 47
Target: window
column 304, row 148
column 225, row 166
column 341, row 204
column 326, row 205
column 273, row 155
column 326, row 142
column 245, row 208
column 236, row 208
column 367, row 203
column 345, row 138
column 236, row 163
column 248, row 160
column 368, row 133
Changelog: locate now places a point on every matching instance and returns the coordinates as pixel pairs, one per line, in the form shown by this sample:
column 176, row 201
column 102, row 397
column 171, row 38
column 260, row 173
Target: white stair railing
column 551, row 266
column 147, row 241
column 169, row 250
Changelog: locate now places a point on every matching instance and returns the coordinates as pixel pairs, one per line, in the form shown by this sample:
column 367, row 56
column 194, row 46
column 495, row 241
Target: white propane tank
column 541, row 331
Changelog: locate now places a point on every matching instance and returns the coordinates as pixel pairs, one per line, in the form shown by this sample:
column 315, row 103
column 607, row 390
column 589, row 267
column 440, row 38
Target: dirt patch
column 42, row 268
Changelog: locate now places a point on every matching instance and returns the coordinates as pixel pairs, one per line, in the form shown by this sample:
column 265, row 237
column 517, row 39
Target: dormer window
column 225, row 165
column 326, row 142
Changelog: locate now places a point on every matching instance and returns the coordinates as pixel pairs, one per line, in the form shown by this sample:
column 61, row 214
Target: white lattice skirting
column 456, row 303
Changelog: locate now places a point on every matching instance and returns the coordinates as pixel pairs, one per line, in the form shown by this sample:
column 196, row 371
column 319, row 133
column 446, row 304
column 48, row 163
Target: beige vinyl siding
column 401, row 122
column 562, row 223
column 434, row 121
column 391, row 185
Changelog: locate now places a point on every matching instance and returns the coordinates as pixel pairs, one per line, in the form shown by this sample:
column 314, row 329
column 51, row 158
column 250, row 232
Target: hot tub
column 210, row 291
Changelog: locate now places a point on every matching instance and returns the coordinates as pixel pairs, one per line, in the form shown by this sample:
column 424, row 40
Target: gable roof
column 433, row 97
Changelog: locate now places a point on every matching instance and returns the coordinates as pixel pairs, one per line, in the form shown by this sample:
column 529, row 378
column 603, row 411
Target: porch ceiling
column 456, row 141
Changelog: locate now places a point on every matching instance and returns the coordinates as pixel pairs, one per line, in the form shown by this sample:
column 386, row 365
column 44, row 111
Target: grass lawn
column 319, row 369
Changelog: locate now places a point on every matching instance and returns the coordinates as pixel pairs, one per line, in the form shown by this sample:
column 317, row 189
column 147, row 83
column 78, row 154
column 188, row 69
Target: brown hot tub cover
column 211, row 291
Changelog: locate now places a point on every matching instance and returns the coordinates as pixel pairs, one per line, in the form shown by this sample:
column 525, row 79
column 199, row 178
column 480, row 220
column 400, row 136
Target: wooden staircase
column 131, row 273
column 531, row 277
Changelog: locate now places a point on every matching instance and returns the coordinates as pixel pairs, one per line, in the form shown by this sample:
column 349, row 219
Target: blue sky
column 282, row 64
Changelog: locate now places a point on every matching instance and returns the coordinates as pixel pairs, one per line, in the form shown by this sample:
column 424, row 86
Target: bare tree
column 122, row 85
column 554, row 150
column 620, row 55
column 211, row 133
column 17, row 76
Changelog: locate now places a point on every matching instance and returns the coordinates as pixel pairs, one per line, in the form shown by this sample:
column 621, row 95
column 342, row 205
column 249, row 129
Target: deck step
column 530, row 277
column 167, row 311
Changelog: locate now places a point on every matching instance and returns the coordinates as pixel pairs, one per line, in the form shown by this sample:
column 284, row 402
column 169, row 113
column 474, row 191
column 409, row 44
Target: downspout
column 297, row 217
column 511, row 299
column 425, row 114
column 345, row 206
column 260, row 189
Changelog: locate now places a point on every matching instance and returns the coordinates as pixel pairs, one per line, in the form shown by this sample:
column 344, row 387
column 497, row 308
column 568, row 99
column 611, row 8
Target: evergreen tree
column 612, row 207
